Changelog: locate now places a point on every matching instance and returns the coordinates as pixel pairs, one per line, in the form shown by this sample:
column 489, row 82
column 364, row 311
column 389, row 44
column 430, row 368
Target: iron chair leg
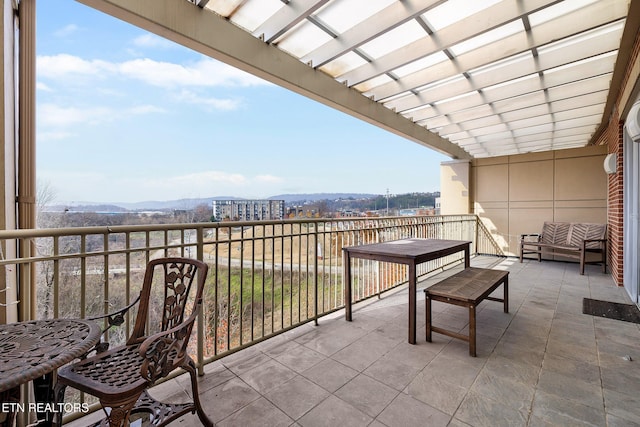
column 190, row 366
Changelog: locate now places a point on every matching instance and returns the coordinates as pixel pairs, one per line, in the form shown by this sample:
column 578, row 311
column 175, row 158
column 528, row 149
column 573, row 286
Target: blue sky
column 126, row 116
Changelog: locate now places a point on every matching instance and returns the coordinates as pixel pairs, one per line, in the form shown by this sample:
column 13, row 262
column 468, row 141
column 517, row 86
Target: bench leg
column 505, row 289
column 427, row 299
column 472, row 330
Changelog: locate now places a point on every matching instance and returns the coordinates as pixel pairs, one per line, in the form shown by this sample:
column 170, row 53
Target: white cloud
column 55, row 116
column 216, row 103
column 64, row 66
column 43, row 87
column 153, row 41
column 156, row 73
column 214, row 73
column 146, row 109
column 67, row 30
column 203, row 73
column 53, row 136
column 64, row 75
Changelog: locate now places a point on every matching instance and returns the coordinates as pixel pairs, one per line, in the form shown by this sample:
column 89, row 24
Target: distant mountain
column 191, row 203
column 173, row 204
column 314, row 197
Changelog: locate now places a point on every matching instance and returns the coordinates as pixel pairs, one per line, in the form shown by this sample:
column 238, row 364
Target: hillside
column 155, row 205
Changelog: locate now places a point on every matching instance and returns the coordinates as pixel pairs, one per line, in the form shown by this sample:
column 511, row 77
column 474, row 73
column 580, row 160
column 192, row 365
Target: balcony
column 545, row 328
column 544, row 363
column 300, row 362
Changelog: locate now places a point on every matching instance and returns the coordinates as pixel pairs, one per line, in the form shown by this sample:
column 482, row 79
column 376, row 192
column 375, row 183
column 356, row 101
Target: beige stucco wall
column 454, row 187
column 516, row 194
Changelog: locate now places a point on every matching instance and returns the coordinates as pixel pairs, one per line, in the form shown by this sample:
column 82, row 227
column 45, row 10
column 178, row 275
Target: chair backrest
column 586, row 231
column 573, row 233
column 555, row 233
column 182, row 283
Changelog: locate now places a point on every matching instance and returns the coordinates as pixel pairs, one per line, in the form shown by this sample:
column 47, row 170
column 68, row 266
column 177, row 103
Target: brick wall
column 613, row 139
column 615, row 210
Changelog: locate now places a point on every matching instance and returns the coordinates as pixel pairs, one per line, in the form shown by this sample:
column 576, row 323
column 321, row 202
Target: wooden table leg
column 427, row 299
column 346, row 261
column 505, row 288
column 412, row 303
column 472, row 330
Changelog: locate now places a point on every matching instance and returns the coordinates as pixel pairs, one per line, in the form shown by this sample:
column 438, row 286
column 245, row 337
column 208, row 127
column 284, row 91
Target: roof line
column 629, row 34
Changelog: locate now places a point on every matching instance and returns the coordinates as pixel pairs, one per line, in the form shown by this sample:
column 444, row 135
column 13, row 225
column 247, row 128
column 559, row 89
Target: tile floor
column 543, row 364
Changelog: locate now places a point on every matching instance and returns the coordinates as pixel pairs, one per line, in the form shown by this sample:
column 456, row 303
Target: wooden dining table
column 34, row 349
column 410, row 252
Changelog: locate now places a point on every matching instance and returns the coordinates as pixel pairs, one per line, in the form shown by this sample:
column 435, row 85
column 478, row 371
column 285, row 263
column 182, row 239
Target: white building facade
column 248, row 210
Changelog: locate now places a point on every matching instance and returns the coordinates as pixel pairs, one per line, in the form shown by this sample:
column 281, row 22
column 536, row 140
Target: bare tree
column 202, row 213
column 45, row 195
column 322, row 208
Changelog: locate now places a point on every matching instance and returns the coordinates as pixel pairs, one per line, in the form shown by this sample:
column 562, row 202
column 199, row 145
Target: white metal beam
column 481, row 22
column 388, row 18
column 589, row 17
column 509, row 71
column 286, row 18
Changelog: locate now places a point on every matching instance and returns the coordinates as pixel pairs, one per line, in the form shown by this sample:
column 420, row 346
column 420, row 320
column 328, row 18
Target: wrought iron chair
column 120, row 377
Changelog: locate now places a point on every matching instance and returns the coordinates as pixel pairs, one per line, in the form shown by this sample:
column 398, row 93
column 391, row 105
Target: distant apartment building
column 416, row 211
column 248, row 210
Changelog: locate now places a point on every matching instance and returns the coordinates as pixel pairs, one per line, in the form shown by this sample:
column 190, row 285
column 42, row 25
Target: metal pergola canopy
column 468, row 78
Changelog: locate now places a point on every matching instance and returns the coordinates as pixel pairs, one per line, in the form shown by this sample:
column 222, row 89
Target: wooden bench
column 568, row 239
column 467, row 288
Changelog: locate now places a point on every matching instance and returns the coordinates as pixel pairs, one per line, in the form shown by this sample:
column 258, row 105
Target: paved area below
column 542, row 364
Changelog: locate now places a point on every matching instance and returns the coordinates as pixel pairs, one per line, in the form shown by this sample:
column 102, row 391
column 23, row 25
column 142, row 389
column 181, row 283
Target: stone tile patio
column 545, row 363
